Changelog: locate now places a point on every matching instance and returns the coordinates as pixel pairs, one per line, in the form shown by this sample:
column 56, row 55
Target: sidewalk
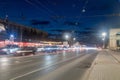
column 105, row 67
column 115, row 54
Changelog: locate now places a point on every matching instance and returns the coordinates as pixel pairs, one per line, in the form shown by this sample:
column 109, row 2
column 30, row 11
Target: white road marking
column 17, row 61
column 23, row 61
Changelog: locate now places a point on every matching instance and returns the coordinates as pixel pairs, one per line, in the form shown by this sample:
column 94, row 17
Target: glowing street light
column 67, row 36
column 11, row 38
column 104, row 34
column 74, row 39
column 83, row 10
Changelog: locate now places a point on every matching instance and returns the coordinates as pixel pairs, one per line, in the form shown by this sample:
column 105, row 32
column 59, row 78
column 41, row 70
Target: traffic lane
column 17, row 62
column 17, row 72
column 13, row 60
column 78, row 70
column 41, row 60
column 21, row 69
column 7, row 63
column 48, row 68
column 23, row 59
column 69, row 70
column 12, row 71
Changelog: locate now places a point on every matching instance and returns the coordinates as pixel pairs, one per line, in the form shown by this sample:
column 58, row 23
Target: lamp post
column 74, row 39
column 103, row 38
column 67, row 38
column 11, row 39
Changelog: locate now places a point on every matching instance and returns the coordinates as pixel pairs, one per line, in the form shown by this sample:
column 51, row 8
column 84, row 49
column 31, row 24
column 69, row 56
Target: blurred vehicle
column 9, row 49
column 54, row 48
column 25, row 51
column 59, row 48
column 39, row 49
column 48, row 49
column 65, row 48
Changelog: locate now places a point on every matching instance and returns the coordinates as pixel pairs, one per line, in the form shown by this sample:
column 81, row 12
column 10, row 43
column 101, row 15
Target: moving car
column 9, row 49
column 25, row 51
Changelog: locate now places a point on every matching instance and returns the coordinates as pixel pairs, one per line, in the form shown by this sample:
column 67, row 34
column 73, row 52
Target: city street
column 63, row 66
column 60, row 40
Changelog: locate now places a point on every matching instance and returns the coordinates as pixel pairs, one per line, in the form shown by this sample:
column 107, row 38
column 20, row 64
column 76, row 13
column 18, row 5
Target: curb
column 87, row 73
column 114, row 57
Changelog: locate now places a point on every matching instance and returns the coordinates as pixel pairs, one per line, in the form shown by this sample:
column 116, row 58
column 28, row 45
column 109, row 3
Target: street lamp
column 67, row 36
column 104, row 34
column 12, row 38
column 103, row 38
column 74, row 39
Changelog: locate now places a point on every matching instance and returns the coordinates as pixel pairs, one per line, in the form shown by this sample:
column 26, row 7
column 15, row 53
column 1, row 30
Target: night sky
column 55, row 16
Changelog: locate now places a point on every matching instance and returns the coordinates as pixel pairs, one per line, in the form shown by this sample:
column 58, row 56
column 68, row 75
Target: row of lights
column 67, row 36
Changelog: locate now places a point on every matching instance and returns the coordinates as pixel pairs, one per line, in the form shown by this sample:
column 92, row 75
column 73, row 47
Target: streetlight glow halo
column 104, row 34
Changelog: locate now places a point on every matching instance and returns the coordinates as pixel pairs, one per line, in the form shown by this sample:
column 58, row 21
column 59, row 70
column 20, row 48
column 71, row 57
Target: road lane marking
column 17, row 61
column 45, row 67
column 23, row 61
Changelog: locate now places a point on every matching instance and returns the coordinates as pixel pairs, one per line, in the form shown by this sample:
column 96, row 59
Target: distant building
column 20, row 32
column 114, row 38
column 2, row 28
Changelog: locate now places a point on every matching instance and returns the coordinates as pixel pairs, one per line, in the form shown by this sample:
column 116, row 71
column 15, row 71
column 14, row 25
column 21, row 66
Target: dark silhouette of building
column 21, row 32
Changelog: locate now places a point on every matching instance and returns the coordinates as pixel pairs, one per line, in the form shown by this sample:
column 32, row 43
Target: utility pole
column 21, row 35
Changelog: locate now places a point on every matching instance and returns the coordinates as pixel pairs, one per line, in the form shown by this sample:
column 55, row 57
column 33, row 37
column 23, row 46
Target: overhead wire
column 36, row 6
column 44, row 6
column 84, row 7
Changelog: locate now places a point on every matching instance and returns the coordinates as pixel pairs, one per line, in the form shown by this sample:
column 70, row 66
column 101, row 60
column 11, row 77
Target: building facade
column 20, row 32
column 114, row 39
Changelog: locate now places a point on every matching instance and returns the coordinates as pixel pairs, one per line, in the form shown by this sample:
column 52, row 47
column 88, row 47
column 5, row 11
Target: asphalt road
column 62, row 66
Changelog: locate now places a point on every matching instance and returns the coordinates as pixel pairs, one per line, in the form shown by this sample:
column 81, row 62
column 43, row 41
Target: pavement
column 106, row 66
